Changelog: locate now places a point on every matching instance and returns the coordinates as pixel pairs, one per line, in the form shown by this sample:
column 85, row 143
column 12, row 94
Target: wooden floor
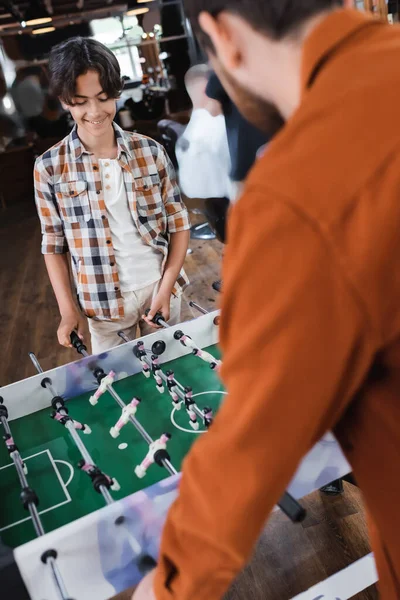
column 289, row 558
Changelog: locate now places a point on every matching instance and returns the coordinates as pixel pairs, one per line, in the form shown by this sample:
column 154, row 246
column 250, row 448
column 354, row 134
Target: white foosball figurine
column 127, row 412
column 154, row 447
column 156, row 373
column 172, row 388
column 186, row 341
column 189, row 405
column 108, row 380
column 142, row 354
column 12, row 447
column 64, row 419
column 98, row 477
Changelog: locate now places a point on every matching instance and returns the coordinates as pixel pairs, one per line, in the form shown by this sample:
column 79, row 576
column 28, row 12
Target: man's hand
column 144, row 591
column 70, row 322
column 162, row 304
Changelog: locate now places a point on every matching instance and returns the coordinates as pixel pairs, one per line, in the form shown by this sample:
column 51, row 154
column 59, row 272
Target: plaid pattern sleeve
column 53, row 237
column 177, row 214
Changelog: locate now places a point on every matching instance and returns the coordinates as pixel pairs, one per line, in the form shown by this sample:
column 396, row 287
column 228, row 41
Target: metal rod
column 57, row 577
column 37, row 524
column 179, row 386
column 35, row 362
column 73, row 433
column 201, row 310
column 33, row 511
column 147, row 438
column 123, row 336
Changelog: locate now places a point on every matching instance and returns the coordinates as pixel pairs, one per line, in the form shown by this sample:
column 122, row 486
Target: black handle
column 157, row 317
column 292, row 508
column 77, row 343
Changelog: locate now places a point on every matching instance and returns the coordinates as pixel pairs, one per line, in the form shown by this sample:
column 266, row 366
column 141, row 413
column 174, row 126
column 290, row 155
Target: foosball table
column 91, row 459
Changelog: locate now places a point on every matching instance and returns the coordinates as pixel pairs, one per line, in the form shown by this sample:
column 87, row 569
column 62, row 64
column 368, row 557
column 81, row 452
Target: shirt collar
column 327, row 37
column 122, row 138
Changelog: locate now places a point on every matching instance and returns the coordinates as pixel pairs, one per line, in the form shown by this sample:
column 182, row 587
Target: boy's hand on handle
column 161, row 304
column 70, row 322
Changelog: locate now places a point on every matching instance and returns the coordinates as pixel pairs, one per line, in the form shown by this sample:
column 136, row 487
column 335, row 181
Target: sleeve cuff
column 179, row 221
column 54, row 245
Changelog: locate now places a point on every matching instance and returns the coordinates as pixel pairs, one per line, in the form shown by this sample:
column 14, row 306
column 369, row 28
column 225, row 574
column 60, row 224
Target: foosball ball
column 91, row 459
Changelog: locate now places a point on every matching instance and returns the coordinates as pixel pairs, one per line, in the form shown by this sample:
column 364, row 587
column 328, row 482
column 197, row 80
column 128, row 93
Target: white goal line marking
column 60, row 479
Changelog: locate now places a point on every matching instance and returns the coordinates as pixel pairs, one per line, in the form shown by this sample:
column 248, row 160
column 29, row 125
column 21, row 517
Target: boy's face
column 92, row 110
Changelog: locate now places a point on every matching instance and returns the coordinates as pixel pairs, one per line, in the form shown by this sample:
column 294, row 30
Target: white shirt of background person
column 202, row 151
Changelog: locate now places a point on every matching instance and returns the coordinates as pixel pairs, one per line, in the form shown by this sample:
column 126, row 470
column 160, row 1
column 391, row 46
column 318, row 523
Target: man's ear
column 222, row 32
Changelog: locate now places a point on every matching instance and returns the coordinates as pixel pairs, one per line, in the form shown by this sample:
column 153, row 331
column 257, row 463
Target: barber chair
column 170, row 132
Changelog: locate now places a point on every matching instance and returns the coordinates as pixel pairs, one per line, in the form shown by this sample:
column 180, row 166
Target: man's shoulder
column 325, row 156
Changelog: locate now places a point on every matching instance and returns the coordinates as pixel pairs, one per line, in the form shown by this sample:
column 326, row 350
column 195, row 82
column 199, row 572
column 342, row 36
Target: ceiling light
column 137, row 11
column 5, row 16
column 43, row 30
column 23, row 24
column 143, row 1
column 151, row 34
column 40, row 21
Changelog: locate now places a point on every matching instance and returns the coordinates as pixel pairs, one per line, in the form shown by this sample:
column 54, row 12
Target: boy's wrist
column 69, row 311
column 166, row 287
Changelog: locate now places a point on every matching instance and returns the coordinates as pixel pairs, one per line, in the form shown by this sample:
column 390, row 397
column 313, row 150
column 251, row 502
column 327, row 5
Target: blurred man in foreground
column 310, row 325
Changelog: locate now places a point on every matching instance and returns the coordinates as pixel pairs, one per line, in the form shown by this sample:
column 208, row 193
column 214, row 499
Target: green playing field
column 65, row 492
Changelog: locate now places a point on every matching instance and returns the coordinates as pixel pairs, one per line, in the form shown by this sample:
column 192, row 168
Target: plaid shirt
column 72, row 211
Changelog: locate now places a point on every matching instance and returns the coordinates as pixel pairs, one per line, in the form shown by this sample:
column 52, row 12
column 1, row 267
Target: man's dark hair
column 275, row 18
column 76, row 57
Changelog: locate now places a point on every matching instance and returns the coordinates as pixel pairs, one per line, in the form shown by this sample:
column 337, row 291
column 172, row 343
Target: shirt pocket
column 149, row 203
column 73, row 201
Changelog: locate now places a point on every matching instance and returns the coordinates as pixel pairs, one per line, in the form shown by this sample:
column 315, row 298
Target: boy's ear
column 65, row 106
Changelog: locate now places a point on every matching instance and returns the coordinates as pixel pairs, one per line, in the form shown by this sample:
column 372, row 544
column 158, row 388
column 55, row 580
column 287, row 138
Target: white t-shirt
column 138, row 263
column 203, row 157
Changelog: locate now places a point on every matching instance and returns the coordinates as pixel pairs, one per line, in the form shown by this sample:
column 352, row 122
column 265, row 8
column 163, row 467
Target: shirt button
column 112, row 264
column 98, row 192
column 108, row 242
column 108, row 187
column 71, row 193
column 116, row 289
column 107, row 176
column 107, row 164
column 103, row 216
column 95, row 168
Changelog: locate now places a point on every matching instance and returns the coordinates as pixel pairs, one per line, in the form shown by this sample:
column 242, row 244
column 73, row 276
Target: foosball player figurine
column 141, row 354
column 207, row 416
column 64, row 419
column 155, row 367
column 12, row 447
column 98, row 477
column 171, row 384
column 189, row 403
column 187, row 341
column 127, row 412
column 156, row 454
column 107, row 380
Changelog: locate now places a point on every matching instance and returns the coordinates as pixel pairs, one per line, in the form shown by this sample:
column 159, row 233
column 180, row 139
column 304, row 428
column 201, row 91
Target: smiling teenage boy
column 111, row 200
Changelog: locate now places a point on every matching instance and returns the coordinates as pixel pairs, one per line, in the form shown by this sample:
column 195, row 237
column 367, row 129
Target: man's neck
column 287, row 92
column 102, row 147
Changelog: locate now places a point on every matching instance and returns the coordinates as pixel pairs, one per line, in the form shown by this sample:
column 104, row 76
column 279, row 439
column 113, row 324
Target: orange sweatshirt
column 310, row 324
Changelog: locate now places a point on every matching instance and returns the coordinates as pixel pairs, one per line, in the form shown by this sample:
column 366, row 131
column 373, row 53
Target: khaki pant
column 104, row 334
